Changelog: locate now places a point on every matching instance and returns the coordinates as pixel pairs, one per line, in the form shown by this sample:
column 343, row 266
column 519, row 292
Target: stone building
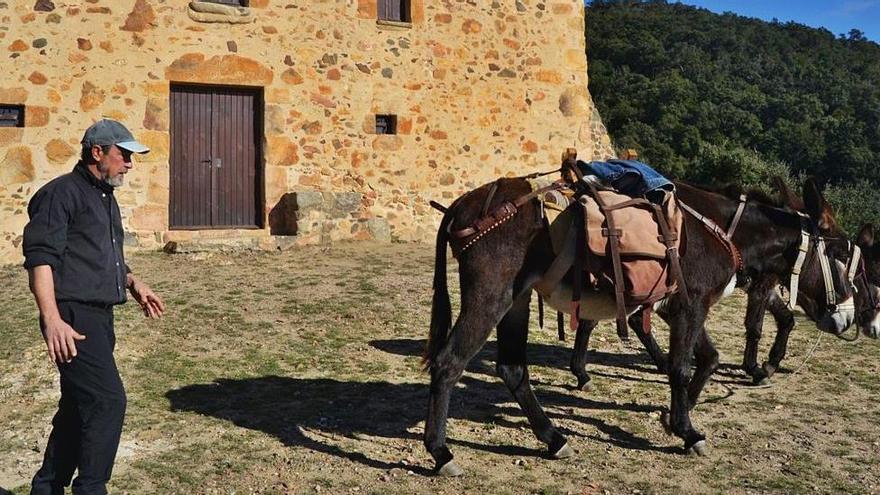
column 278, row 122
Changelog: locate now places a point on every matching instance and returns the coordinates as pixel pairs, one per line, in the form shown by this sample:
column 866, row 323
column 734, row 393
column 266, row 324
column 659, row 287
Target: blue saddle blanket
column 630, row 177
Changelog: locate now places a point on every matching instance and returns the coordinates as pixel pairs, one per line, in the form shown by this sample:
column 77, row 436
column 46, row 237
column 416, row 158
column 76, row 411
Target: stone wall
column 481, row 89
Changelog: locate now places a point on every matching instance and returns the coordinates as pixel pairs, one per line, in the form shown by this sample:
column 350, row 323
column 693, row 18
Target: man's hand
column 60, row 337
column 151, row 304
column 60, row 340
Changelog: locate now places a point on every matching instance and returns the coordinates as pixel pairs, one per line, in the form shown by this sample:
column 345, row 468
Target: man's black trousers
column 86, row 428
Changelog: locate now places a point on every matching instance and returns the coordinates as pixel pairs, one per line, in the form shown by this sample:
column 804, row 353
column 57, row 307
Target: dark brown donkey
column 497, row 273
column 762, row 297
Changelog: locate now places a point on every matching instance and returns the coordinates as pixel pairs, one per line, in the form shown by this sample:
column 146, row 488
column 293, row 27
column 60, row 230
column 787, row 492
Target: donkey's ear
column 816, row 207
column 786, row 195
column 865, row 239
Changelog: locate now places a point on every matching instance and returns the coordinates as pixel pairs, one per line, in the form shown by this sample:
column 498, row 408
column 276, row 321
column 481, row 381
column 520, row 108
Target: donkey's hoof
column 450, row 469
column 563, row 452
column 666, row 422
column 584, row 385
column 700, row 449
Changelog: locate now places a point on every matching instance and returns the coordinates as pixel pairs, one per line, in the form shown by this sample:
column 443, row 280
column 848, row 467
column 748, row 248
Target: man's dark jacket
column 75, row 227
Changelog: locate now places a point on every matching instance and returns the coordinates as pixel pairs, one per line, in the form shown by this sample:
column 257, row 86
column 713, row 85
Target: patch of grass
column 305, row 372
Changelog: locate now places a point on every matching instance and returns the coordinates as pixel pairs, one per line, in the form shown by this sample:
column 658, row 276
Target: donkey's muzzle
column 839, row 318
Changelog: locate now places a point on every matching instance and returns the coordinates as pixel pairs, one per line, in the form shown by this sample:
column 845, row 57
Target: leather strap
column 646, row 318
column 500, row 214
column 719, row 234
column 613, row 234
column 560, row 265
column 739, row 211
column 492, row 190
column 540, row 311
column 560, row 324
column 669, row 239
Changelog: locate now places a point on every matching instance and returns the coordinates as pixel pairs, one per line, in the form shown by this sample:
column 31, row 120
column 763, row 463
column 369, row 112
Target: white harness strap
column 826, row 272
column 825, row 264
column 798, row 264
column 854, row 260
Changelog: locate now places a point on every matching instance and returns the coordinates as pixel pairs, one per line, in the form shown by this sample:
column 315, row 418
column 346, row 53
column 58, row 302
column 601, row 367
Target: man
column 73, row 254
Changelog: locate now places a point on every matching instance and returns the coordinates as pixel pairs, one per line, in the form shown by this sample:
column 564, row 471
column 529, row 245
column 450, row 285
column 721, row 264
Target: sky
column 837, row 16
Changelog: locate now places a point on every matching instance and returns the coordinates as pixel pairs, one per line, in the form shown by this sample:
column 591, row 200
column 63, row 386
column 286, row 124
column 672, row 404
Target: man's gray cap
column 106, row 132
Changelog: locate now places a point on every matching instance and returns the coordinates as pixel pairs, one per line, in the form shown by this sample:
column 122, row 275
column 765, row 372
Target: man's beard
column 115, row 181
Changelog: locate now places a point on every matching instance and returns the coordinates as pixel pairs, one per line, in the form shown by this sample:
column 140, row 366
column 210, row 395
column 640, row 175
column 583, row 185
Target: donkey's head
column 867, row 282
column 824, row 291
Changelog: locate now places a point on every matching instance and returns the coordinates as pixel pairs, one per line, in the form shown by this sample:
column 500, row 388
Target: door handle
column 218, row 162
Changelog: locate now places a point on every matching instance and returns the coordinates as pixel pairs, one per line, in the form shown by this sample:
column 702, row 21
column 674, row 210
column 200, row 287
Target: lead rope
column 775, row 383
column 854, row 263
column 800, row 366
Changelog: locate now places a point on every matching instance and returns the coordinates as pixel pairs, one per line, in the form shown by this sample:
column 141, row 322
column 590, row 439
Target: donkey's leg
column 707, row 362
column 481, row 310
column 578, row 363
column 754, row 323
column 647, row 339
column 685, row 327
column 513, row 333
column 784, row 324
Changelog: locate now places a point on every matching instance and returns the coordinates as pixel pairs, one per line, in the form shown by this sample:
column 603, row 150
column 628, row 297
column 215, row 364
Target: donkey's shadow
column 304, row 411
column 551, row 356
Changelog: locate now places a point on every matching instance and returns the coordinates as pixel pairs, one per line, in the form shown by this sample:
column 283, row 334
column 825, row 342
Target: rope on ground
column 732, row 389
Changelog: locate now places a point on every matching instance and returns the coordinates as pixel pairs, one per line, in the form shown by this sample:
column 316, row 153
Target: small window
column 386, row 124
column 394, row 10
column 11, row 115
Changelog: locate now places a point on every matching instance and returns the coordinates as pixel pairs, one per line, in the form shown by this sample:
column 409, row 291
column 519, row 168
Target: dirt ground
column 299, row 372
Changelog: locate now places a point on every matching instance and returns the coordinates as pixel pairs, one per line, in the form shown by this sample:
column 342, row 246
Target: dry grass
column 299, row 372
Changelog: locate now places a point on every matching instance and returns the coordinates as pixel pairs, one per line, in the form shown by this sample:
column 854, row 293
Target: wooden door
column 215, row 156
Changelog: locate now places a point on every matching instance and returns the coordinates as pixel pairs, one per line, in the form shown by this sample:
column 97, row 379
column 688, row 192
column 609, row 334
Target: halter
column 862, row 272
column 824, row 263
column 726, row 239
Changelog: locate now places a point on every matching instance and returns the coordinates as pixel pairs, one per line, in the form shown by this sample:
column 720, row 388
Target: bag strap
column 672, row 255
column 613, row 234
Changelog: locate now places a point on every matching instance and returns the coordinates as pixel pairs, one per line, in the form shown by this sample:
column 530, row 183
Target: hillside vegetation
column 725, row 98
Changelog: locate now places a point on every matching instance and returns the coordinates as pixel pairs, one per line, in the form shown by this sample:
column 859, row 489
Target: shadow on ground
column 305, row 412
column 551, row 356
column 558, row 356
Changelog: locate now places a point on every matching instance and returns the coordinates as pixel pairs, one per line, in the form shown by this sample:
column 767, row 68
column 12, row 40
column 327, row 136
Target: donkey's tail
column 441, row 310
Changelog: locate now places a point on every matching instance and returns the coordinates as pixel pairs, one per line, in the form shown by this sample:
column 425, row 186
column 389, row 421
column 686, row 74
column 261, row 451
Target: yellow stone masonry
column 480, row 90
